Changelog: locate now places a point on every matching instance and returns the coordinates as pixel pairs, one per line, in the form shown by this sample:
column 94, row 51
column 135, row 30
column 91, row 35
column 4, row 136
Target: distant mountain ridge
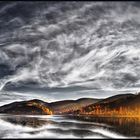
column 118, row 105
column 38, row 107
column 31, row 107
column 66, row 106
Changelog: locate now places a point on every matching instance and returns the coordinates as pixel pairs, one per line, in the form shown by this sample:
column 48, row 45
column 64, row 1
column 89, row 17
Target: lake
column 45, row 126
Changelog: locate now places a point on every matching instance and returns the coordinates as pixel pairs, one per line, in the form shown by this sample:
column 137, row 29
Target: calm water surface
column 16, row 126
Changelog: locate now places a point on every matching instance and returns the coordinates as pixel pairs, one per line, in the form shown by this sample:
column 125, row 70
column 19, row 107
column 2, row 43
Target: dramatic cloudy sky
column 69, row 49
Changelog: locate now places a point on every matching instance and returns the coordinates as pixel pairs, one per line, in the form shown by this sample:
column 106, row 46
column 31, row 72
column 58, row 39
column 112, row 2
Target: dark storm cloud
column 64, row 44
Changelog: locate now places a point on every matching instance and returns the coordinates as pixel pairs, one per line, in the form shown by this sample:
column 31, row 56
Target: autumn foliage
column 45, row 109
column 122, row 111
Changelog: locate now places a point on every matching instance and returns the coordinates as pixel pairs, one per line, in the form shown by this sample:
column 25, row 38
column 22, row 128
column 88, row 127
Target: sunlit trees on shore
column 105, row 111
column 44, row 109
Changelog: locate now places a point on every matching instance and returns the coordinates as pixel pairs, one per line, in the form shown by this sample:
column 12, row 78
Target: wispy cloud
column 96, row 42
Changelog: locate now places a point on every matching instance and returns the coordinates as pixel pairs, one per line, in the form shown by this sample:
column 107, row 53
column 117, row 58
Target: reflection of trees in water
column 27, row 121
column 126, row 126
column 123, row 125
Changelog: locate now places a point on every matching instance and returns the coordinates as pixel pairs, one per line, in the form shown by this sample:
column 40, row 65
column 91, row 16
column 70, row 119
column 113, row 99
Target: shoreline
column 104, row 116
column 70, row 115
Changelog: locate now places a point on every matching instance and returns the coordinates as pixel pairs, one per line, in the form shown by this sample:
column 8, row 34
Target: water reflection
column 124, row 125
column 34, row 122
column 68, row 127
